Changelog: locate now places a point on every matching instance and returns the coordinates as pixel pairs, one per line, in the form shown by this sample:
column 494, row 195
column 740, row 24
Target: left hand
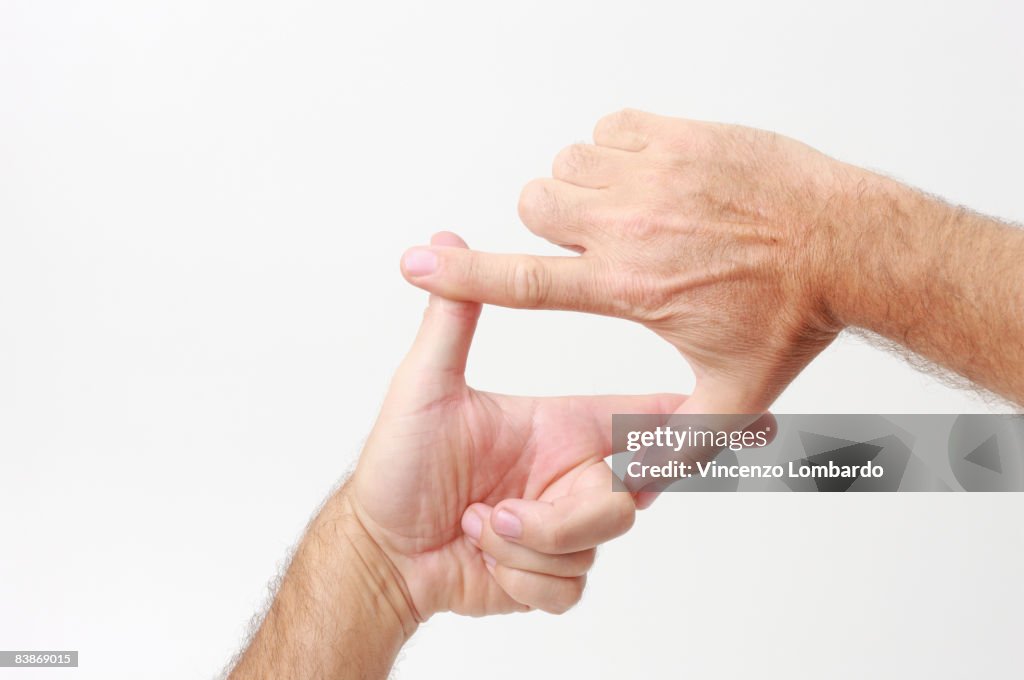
column 486, row 503
column 726, row 241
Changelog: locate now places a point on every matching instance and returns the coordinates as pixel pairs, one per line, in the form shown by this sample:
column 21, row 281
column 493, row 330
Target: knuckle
column 704, row 140
column 463, row 270
column 557, row 607
column 585, row 560
column 512, row 581
column 537, row 203
column 624, row 512
column 579, row 584
column 623, row 119
column 627, row 124
column 641, row 226
column 628, row 118
column 663, row 182
column 557, row 539
column 634, row 294
column 509, row 579
column 528, row 282
column 572, row 161
column 570, row 593
column 491, row 543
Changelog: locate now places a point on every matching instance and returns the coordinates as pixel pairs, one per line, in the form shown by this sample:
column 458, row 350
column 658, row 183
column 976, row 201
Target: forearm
column 943, row 282
column 341, row 611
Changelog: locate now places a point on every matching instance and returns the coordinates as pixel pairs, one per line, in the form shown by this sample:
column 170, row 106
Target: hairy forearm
column 341, row 611
column 943, row 282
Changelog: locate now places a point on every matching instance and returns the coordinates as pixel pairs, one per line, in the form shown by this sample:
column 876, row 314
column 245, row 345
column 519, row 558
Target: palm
column 476, row 447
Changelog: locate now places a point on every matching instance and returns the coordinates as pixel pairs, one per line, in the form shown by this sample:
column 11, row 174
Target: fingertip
column 481, row 509
column 418, row 262
column 506, row 521
column 472, row 525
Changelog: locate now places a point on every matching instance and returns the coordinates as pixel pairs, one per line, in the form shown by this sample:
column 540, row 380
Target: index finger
column 579, row 521
column 520, row 281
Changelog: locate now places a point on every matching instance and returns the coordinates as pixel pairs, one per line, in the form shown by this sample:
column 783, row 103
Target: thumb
column 446, row 332
column 722, row 396
column 728, row 407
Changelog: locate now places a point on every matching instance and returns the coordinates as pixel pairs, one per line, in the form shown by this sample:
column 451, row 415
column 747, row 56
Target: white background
column 202, row 207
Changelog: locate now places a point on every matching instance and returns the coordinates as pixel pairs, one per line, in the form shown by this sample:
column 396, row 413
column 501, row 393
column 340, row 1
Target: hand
column 717, row 237
column 486, row 503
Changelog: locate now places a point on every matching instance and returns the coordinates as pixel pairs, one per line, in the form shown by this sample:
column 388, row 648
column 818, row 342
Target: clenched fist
column 719, row 238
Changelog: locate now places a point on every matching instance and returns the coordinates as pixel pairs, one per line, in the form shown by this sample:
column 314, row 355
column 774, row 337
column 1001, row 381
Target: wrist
column 876, row 247
column 339, row 611
column 367, row 566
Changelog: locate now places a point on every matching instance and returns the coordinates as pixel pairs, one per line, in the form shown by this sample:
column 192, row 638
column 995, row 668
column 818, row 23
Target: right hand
column 721, row 239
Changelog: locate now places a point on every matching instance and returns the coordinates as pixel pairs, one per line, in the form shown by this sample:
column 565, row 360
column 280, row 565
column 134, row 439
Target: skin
column 746, row 250
column 462, row 501
column 750, row 252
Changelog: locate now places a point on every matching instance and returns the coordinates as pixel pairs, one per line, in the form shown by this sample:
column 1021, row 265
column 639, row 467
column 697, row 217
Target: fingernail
column 507, row 524
column 419, row 262
column 489, row 560
column 472, row 525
